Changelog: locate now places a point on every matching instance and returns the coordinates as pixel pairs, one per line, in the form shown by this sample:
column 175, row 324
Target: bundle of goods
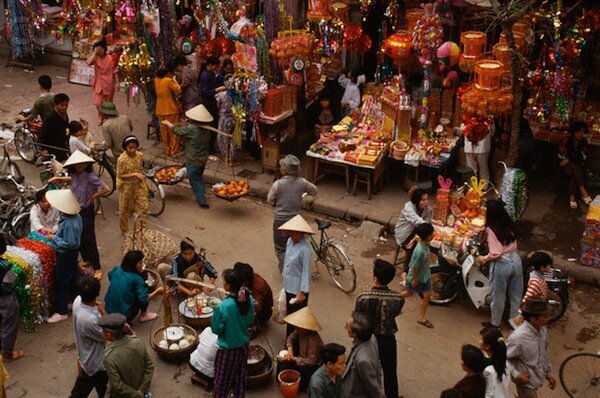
column 590, row 241
column 232, row 190
column 170, row 175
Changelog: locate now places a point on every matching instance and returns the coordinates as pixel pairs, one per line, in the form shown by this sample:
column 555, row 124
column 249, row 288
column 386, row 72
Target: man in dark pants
column 381, row 306
column 53, row 136
column 89, row 341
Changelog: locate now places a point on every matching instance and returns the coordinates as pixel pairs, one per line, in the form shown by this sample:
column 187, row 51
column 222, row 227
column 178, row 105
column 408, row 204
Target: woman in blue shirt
column 230, row 322
column 127, row 293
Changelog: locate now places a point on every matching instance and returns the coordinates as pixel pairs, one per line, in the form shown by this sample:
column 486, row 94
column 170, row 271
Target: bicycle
column 333, row 254
column 580, row 375
column 106, row 171
column 156, row 193
column 14, row 211
column 8, row 166
column 26, row 138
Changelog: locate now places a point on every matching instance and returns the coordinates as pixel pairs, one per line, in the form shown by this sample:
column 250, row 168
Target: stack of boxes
column 590, row 241
column 279, row 100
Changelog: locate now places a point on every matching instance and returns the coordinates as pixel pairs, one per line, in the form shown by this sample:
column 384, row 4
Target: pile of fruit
column 289, row 46
column 233, row 188
column 168, row 174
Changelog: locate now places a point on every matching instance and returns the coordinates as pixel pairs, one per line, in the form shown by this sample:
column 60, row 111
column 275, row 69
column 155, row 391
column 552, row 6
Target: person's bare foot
column 13, row 356
column 148, row 316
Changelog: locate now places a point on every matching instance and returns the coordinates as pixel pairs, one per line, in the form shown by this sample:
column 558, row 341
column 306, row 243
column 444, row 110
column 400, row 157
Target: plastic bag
column 281, row 308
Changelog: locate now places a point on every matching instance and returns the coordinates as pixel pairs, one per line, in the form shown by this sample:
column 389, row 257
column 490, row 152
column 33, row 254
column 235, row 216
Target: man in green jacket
column 126, row 360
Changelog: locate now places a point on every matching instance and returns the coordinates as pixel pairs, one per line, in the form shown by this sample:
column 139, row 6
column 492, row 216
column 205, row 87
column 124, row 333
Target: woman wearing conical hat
column 303, row 345
column 296, row 265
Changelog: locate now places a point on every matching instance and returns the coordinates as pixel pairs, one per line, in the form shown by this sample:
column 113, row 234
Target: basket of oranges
column 232, row 190
column 170, row 175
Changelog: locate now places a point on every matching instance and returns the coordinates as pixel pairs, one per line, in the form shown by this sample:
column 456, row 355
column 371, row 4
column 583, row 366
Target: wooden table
column 371, row 175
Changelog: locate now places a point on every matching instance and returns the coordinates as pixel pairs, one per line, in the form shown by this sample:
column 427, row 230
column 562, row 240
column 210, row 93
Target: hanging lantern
column 339, row 11
column 397, row 46
column 488, row 74
column 412, row 16
column 501, row 52
column 519, row 39
column 473, row 46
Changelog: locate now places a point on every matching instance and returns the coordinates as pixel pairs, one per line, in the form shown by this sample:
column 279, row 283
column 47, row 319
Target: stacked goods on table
column 590, row 241
column 362, row 143
column 33, row 260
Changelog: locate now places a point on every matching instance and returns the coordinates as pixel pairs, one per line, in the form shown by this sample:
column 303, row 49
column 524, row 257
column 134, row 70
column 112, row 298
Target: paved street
column 429, row 360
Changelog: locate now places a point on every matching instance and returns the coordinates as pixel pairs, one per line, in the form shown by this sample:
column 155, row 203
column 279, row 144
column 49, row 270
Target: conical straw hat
column 63, row 200
column 78, row 157
column 303, row 318
column 199, row 113
column 297, row 224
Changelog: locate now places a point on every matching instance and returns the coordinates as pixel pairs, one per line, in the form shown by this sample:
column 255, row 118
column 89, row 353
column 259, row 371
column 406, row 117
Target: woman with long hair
column 496, row 374
column 506, row 269
column 416, row 211
column 230, row 321
column 167, row 107
column 572, row 153
column 127, row 292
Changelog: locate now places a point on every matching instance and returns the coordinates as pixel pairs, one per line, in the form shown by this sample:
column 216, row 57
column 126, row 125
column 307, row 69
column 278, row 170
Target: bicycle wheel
column 20, row 227
column 444, row 287
column 26, row 146
column 108, row 175
column 156, row 197
column 556, row 306
column 580, row 375
column 340, row 268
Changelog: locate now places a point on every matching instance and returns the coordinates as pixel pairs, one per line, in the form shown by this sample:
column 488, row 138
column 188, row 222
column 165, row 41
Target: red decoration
column 355, row 40
column 398, row 45
column 220, row 46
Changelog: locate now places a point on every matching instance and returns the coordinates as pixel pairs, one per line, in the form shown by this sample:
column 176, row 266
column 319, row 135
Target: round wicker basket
column 173, row 355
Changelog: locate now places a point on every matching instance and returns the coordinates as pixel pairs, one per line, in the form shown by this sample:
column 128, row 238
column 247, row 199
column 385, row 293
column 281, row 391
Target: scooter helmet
column 128, row 140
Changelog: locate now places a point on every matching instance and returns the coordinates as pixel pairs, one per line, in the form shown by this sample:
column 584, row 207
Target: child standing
column 325, row 119
column 473, row 363
column 419, row 275
column 133, row 192
column 537, row 286
column 496, row 373
column 77, row 137
column 67, row 241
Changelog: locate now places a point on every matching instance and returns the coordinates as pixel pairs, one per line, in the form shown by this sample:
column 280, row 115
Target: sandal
column 426, row 323
column 573, row 204
column 587, row 200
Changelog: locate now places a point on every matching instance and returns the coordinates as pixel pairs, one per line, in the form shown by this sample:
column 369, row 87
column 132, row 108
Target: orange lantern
column 488, row 74
column 398, row 45
column 501, row 53
column 473, row 46
column 412, row 17
column 521, row 26
column 519, row 39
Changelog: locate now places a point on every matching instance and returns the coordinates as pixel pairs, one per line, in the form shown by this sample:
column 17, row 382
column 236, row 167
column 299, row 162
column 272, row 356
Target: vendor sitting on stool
column 202, row 360
column 303, row 346
column 190, row 265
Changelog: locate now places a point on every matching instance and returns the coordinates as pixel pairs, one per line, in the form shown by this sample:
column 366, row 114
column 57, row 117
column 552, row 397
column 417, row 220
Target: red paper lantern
column 398, row 45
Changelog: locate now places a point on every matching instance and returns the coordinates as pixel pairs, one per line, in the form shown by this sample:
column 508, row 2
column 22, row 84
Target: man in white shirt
column 351, row 98
column 43, row 217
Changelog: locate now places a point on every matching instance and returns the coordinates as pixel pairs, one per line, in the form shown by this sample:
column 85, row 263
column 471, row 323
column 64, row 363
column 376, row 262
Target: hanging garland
column 20, row 33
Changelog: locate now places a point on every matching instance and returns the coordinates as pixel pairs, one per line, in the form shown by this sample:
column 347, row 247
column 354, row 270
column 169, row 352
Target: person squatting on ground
column 187, row 264
column 302, row 345
column 131, row 184
column 230, row 321
column 381, row 306
column 167, row 108
column 363, row 376
column 527, row 350
column 261, row 291
column 89, row 341
column 197, row 144
column 9, row 308
column 506, row 269
column 325, row 382
column 418, row 279
column 497, row 371
column 86, row 186
column 285, row 196
column 126, row 360
column 67, row 242
column 127, row 292
column 296, row 266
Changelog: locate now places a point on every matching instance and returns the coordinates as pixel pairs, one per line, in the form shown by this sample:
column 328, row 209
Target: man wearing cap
column 286, row 197
column 66, row 241
column 303, row 345
column 126, row 360
column 296, row 266
column 197, row 144
column 54, row 132
column 115, row 127
column 527, row 350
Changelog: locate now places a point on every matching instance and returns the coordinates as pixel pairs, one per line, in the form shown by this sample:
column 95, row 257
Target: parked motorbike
column 457, row 272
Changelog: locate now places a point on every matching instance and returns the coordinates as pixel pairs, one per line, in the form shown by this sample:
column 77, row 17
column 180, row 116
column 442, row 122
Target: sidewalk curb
column 582, row 274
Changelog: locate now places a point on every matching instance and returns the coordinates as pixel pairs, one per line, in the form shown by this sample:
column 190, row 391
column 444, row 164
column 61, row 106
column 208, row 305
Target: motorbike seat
column 322, row 224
